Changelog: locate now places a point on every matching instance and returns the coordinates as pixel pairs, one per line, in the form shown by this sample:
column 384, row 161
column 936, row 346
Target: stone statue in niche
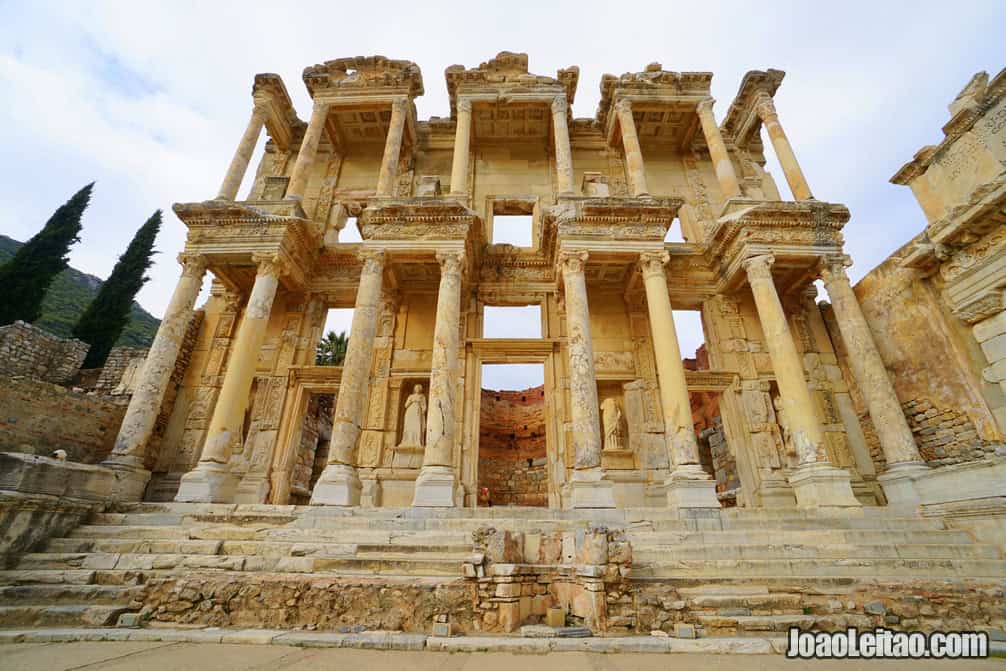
column 784, row 427
column 611, row 420
column 414, row 424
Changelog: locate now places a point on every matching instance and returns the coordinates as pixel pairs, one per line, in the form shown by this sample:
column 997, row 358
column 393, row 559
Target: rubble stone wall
column 117, row 363
column 40, row 417
column 512, row 453
column 34, row 352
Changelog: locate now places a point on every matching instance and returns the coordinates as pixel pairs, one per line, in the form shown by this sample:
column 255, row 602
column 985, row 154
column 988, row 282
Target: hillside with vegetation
column 70, row 294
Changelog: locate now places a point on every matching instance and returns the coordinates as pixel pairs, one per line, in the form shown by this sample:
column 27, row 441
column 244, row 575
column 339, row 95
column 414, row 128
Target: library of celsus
column 813, row 464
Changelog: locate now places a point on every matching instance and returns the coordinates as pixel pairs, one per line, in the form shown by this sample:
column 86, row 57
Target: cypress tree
column 103, row 320
column 26, row 277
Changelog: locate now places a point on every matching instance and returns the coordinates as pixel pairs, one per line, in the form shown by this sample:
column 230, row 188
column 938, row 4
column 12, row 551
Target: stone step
column 126, row 545
column 378, row 564
column 641, row 539
column 215, row 533
column 651, row 553
column 47, row 577
column 754, row 623
column 80, row 615
column 802, row 524
column 774, row 601
column 67, row 593
column 813, row 568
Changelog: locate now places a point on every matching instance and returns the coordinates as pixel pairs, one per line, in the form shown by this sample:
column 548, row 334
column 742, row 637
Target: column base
column 338, row 485
column 208, row 482
column 434, row 488
column 253, row 489
column 898, row 483
column 590, row 489
column 131, row 478
column 691, row 487
column 775, row 492
column 822, row 485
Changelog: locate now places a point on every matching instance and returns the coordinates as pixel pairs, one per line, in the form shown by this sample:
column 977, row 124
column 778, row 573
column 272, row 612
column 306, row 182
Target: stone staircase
column 732, row 573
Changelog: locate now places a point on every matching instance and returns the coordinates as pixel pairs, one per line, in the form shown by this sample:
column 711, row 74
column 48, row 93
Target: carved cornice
column 418, row 219
column 281, row 120
column 361, row 74
column 741, row 123
column 985, row 305
column 808, row 223
column 622, row 219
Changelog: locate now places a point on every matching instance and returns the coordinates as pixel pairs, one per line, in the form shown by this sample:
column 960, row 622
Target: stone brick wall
column 512, row 458
column 27, row 350
column 117, row 363
column 724, row 463
column 39, row 417
column 946, row 435
column 312, row 453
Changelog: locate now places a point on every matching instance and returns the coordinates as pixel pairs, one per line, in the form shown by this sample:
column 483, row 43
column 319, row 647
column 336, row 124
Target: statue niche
column 414, row 422
column 611, row 421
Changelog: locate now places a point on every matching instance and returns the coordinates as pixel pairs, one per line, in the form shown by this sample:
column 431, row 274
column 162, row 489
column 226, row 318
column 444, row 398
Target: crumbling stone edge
column 403, row 641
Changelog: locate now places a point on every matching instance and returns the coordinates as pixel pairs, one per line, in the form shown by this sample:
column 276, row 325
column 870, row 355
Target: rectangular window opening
column 331, row 349
column 351, row 231
column 513, row 229
column 511, row 321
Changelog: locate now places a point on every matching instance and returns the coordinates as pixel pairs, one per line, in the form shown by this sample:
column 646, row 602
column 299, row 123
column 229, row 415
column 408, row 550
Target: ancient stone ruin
column 817, row 465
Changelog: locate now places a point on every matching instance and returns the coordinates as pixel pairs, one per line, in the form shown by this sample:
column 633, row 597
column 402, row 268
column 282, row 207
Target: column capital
column 559, row 105
column 373, row 259
column 623, row 106
column 451, row 261
column 764, row 106
column 193, row 265
column 320, row 107
column 572, row 261
column 652, row 263
column 270, row 264
column 261, row 104
column 832, row 268
column 464, row 105
column 399, row 105
column 705, row 106
column 759, row 267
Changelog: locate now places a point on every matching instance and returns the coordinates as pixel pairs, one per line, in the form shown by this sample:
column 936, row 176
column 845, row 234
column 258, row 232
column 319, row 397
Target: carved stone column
column 129, row 454
column 589, row 487
column 718, row 150
column 211, row 481
column 563, row 153
column 392, row 149
column 462, row 148
column 339, row 484
column 633, row 153
column 308, row 150
column 868, row 368
column 816, row 482
column 243, row 154
column 435, row 484
column 765, row 109
column 688, row 485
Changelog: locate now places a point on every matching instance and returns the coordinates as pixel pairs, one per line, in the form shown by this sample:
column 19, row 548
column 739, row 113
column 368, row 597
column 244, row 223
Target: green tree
column 331, row 350
column 107, row 315
column 27, row 276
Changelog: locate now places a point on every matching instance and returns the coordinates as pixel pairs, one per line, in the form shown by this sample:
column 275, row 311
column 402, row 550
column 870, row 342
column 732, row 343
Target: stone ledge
column 383, row 640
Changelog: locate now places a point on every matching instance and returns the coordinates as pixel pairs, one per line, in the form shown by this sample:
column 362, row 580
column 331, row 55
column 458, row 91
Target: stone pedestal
column 821, row 485
column 589, row 489
column 131, row 478
column 252, row 489
column 338, row 485
column 434, row 487
column 208, row 483
column 691, row 487
column 898, row 483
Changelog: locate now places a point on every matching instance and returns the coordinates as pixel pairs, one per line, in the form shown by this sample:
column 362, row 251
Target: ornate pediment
column 362, row 73
column 741, row 123
column 427, row 219
column 621, row 219
column 508, row 72
column 653, row 80
column 282, row 121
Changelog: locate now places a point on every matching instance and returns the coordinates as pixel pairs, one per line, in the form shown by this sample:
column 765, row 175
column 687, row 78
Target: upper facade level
column 652, row 157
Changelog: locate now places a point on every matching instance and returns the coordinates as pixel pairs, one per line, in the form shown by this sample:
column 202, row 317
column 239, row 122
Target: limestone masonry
column 816, row 465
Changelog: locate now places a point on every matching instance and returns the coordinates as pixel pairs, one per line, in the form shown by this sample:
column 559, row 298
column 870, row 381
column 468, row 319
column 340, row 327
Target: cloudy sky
column 150, row 99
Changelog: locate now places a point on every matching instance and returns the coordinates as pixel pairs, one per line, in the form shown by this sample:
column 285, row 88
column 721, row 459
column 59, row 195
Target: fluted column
column 211, row 480
column 129, row 454
column 633, row 153
column 435, row 484
column 392, row 149
column 816, row 482
column 900, row 450
column 589, row 488
column 688, row 486
column 718, row 150
column 339, row 484
column 462, row 148
column 765, row 109
column 243, row 154
column 563, row 153
column 308, row 150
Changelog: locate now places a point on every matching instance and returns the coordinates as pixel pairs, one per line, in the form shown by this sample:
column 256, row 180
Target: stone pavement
column 165, row 656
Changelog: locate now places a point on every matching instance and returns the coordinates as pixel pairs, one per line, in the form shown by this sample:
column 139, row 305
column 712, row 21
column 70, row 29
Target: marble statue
column 414, row 424
column 611, row 419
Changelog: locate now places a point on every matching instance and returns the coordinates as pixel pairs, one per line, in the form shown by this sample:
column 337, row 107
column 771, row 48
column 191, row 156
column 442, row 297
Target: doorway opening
column 512, row 457
column 311, row 452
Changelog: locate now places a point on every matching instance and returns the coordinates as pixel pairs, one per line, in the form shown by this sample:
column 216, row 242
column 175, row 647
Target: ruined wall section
column 30, row 351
